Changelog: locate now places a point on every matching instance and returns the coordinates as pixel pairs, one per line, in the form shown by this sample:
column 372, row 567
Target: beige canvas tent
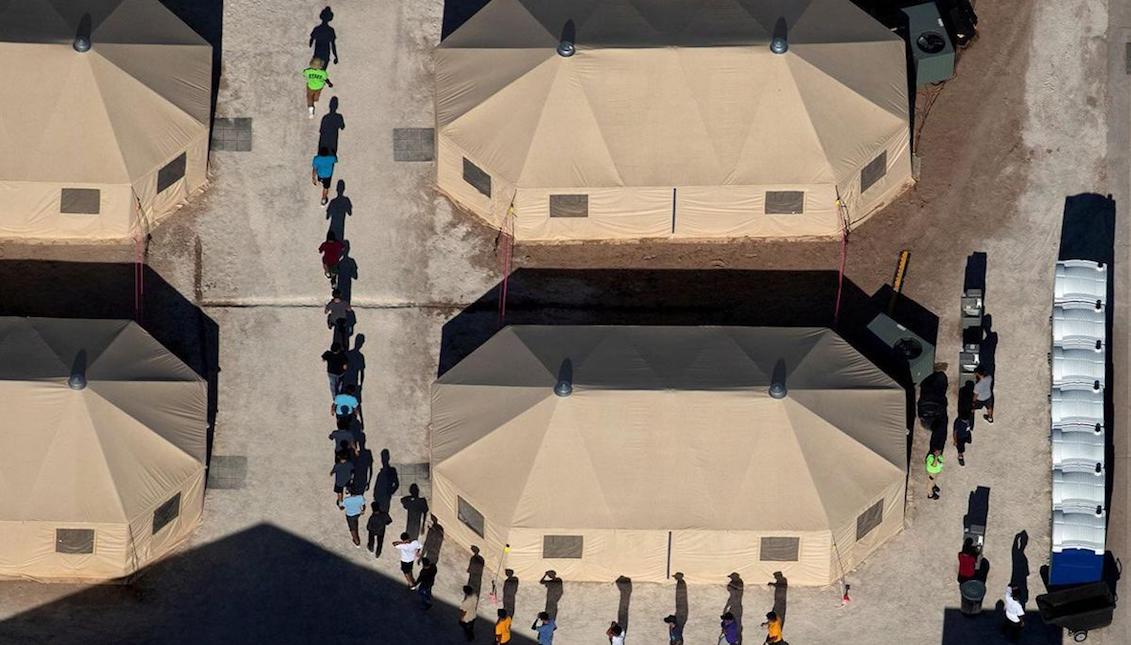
column 102, row 449
column 640, row 451
column 101, row 144
column 671, row 118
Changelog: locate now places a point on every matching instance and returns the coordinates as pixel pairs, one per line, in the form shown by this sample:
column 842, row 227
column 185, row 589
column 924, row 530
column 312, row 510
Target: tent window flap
column 779, row 549
column 80, row 201
column 470, row 516
column 475, row 176
column 171, row 172
column 869, row 519
column 569, row 205
column 785, row 202
column 562, row 546
column 166, row 513
column 874, row 171
column 74, row 540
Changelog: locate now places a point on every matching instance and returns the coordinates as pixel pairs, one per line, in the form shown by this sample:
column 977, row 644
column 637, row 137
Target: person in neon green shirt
column 316, row 78
column 934, row 465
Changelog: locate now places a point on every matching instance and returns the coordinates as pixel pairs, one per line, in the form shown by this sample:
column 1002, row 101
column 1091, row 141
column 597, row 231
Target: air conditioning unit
column 931, row 49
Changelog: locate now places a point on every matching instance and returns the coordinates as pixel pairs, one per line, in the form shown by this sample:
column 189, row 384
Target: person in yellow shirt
column 773, row 628
column 503, row 627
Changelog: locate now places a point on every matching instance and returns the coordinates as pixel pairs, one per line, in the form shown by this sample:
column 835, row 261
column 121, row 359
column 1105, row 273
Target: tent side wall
column 897, row 178
column 32, row 210
column 450, row 167
column 850, row 552
column 688, row 212
column 159, row 205
column 29, row 552
column 149, row 546
column 29, row 548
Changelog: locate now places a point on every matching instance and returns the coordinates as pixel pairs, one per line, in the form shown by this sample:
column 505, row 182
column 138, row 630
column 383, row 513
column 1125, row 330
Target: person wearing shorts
column 410, row 551
column 316, row 79
column 332, row 251
column 322, row 171
column 342, row 472
column 354, row 506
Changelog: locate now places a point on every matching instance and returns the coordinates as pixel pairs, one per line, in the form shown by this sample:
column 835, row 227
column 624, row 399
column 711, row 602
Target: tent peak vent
column 778, row 390
column 564, row 386
column 82, row 35
column 779, row 44
column 77, row 379
column 566, row 42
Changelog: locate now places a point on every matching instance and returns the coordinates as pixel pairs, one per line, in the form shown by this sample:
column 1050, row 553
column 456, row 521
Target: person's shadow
column 363, row 467
column 624, row 587
column 355, row 363
column 987, row 351
column 781, row 589
column 554, row 591
column 735, row 588
column 1019, row 576
column 323, row 39
column 681, row 605
column 416, row 508
column 510, row 591
column 434, row 541
column 475, row 566
column 339, row 208
column 387, row 483
column 331, row 126
column 347, row 273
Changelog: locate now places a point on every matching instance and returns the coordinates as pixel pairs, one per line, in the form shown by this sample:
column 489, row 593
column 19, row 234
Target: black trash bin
column 973, row 592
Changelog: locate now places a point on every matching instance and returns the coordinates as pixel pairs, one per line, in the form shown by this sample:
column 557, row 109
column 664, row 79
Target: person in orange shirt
column 773, row 628
column 503, row 627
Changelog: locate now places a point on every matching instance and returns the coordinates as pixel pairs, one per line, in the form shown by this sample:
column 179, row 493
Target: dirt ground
column 1023, row 125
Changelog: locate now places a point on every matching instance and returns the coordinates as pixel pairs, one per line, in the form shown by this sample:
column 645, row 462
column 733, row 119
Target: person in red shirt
column 967, row 561
column 331, row 251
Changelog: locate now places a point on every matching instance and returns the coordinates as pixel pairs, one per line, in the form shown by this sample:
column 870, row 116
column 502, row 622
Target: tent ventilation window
column 869, row 519
column 785, row 202
column 874, row 171
column 779, row 549
column 475, row 176
column 470, row 516
column 166, row 513
column 569, row 205
column 171, row 172
column 562, row 546
column 80, row 201
column 74, row 540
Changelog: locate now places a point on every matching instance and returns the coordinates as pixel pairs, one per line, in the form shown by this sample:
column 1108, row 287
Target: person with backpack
column 962, row 437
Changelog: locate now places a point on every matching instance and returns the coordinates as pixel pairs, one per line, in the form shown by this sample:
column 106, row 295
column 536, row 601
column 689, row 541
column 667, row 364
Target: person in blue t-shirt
column 545, row 627
column 346, row 403
column 354, row 506
column 322, row 171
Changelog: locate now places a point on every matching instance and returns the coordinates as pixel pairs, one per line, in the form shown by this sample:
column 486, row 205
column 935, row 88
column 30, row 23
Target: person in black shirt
column 337, row 361
column 378, row 520
column 425, row 581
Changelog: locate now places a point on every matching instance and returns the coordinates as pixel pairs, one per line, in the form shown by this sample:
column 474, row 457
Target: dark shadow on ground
column 985, row 629
column 781, row 595
column 554, row 590
column 107, row 290
column 262, row 585
column 624, row 589
column 457, row 12
column 735, row 589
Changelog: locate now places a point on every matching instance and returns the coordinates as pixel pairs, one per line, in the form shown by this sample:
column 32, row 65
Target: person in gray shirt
column 984, row 393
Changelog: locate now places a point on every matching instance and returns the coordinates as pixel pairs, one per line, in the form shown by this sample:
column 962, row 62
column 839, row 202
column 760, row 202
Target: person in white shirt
column 1014, row 615
column 410, row 553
